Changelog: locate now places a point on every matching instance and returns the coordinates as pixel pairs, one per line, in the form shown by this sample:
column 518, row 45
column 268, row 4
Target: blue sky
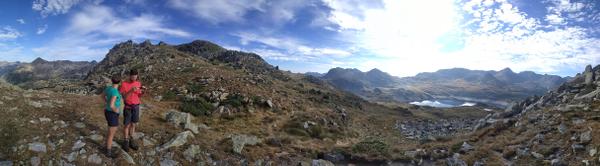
column 402, row 37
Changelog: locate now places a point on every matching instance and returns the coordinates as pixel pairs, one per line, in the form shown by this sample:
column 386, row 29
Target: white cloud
column 11, row 52
column 137, row 2
column 410, row 36
column 218, row 11
column 95, row 29
column 554, row 19
column 292, row 48
column 9, row 33
column 56, row 7
column 559, row 11
column 21, row 21
column 42, row 30
column 101, row 19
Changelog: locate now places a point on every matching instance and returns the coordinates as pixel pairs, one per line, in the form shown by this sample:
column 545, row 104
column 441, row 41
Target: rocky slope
column 491, row 87
column 560, row 127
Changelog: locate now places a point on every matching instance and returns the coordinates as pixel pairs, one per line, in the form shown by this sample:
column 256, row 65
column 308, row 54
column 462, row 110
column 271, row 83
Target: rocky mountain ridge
column 43, row 74
column 491, row 87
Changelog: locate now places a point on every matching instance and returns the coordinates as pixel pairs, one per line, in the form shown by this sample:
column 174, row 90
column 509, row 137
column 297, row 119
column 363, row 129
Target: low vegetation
column 371, row 148
column 197, row 107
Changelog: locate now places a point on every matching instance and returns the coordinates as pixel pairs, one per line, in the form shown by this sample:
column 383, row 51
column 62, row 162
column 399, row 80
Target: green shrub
column 456, row 147
column 197, row 107
column 10, row 133
column 373, row 147
column 195, row 88
column 316, row 131
column 297, row 131
column 138, row 67
column 234, row 100
column 169, row 96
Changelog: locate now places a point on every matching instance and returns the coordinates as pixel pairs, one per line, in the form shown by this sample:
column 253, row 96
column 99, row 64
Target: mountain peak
column 146, row 43
column 375, row 70
column 39, row 60
column 506, row 70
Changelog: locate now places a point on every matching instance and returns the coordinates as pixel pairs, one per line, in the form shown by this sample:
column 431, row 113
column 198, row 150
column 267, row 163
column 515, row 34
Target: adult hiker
column 112, row 110
column 132, row 91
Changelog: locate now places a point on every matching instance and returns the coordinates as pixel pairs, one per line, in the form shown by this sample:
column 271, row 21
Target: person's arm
column 113, row 100
column 132, row 90
column 103, row 95
column 140, row 91
column 122, row 104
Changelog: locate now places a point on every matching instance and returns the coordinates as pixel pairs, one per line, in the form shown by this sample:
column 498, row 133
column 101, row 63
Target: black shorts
column 131, row 114
column 112, row 118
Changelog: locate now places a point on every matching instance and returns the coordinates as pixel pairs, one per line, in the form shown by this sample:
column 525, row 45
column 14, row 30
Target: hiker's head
column 133, row 75
column 115, row 79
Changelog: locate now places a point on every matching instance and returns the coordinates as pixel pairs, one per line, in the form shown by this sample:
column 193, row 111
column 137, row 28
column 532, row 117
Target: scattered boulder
column 455, row 160
column 562, row 128
column 240, row 140
column 321, row 162
column 71, row 156
column 127, row 157
column 168, row 162
column 334, row 157
column 178, row 140
column 148, row 142
column 35, row 104
column 79, row 125
column 94, row 159
column 78, row 145
column 178, row 118
column 537, row 155
column 37, row 147
column 586, row 137
column 35, row 161
column 6, row 163
column 577, row 147
column 182, row 119
column 45, row 120
column 191, row 152
column 557, row 162
column 270, row 104
column 137, row 135
column 96, row 137
column 589, row 75
column 466, row 147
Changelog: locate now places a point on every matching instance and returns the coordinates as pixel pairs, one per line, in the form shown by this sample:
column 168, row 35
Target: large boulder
column 37, row 147
column 178, row 140
column 182, row 120
column 589, row 75
column 455, row 160
column 586, row 137
column 240, row 140
column 178, row 118
column 321, row 162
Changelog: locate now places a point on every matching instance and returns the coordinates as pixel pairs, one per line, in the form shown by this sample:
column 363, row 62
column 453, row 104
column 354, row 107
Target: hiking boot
column 110, row 154
column 126, row 145
column 132, row 145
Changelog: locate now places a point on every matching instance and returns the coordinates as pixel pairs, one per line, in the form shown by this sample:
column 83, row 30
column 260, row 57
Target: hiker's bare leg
column 126, row 131
column 110, row 136
column 132, row 129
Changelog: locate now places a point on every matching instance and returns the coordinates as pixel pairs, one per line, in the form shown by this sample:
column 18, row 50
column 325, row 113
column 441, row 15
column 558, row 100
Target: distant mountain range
column 491, row 87
column 40, row 73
